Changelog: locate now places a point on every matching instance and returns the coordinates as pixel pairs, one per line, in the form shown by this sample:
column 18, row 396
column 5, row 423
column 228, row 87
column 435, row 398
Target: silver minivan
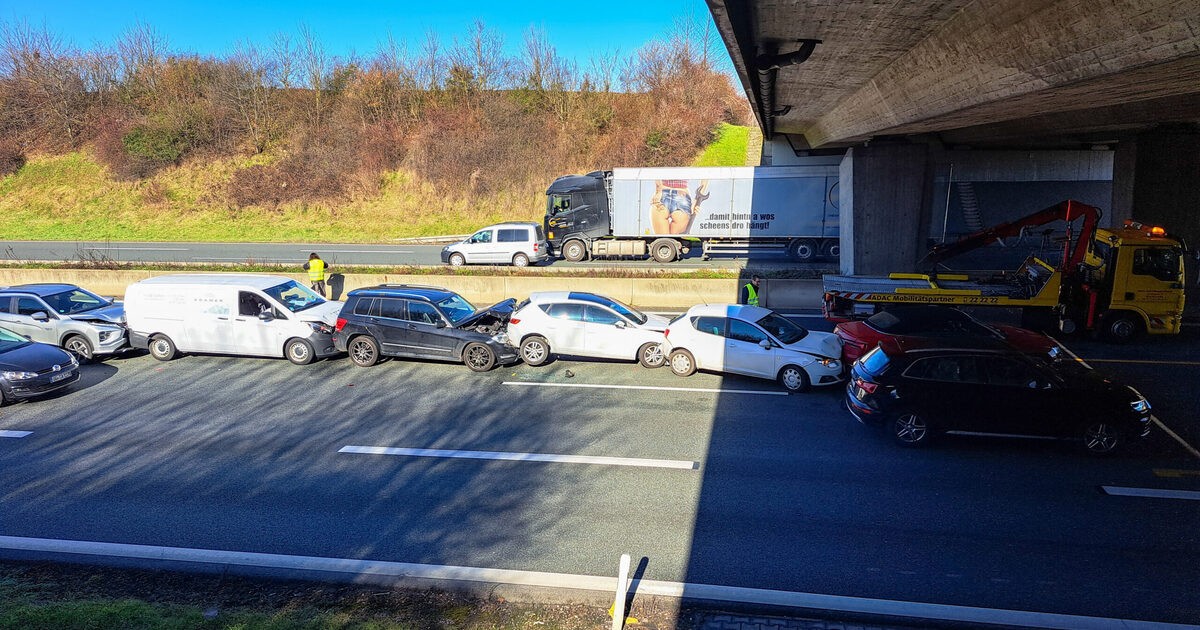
column 515, row 243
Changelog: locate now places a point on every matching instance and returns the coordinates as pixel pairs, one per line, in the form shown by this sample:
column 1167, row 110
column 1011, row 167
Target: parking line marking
column 14, row 434
column 355, row 570
column 524, row 457
column 1152, row 493
column 649, row 387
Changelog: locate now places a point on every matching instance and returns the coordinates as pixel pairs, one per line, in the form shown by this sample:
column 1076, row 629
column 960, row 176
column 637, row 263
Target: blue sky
column 578, row 29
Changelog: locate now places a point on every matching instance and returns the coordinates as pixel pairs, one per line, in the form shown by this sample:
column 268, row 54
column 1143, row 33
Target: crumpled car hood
column 112, row 314
column 500, row 310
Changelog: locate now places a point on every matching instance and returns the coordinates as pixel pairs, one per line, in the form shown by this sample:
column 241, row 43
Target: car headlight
column 832, row 364
column 319, row 327
column 500, row 338
column 108, row 335
column 1140, row 406
column 18, row 376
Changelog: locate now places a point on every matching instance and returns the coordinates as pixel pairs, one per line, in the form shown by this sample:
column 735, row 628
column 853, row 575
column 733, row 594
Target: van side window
column 423, row 313
column 29, row 306
column 513, row 235
column 391, row 308
column 483, row 236
column 252, row 305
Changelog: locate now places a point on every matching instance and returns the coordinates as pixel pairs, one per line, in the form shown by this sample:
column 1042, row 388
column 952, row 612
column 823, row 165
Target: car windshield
column 11, row 341
column 75, row 301
column 625, row 310
column 456, row 308
column 782, row 329
column 295, row 296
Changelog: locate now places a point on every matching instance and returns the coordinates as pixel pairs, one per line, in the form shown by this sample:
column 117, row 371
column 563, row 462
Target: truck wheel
column 831, row 248
column 574, row 251
column 802, row 250
column 1120, row 327
column 664, row 250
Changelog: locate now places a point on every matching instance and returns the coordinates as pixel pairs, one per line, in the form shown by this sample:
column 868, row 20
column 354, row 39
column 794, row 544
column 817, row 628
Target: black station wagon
column 422, row 322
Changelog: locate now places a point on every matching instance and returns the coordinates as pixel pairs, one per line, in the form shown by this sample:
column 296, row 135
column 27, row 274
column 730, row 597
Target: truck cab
column 1141, row 277
column 576, row 210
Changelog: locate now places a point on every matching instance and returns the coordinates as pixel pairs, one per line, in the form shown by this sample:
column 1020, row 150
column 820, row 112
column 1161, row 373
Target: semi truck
column 1117, row 282
column 664, row 212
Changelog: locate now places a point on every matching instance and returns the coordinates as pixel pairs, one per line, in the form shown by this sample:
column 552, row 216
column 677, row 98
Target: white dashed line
column 649, row 387
column 523, row 457
column 138, row 249
column 361, row 251
column 14, row 434
column 1151, row 493
column 358, row 570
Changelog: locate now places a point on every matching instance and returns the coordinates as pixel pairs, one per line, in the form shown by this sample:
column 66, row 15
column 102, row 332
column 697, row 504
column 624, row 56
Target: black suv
column 422, row 322
column 998, row 391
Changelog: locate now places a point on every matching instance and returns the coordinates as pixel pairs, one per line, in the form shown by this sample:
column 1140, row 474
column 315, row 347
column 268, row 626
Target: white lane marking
column 361, row 251
column 14, row 434
column 406, row 570
column 256, row 258
column 524, row 457
column 1153, row 418
column 1151, row 493
column 650, row 387
column 140, row 249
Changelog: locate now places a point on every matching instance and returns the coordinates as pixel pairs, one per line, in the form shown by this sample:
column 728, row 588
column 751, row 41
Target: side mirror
column 441, row 323
column 621, row 324
column 266, row 316
column 41, row 316
column 765, row 344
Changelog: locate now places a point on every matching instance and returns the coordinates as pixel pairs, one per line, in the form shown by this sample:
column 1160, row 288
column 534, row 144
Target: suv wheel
column 520, row 260
column 682, row 363
column 652, row 355
column 535, row 350
column 363, row 351
column 79, row 346
column 479, row 357
column 1101, row 437
column 910, row 429
column 457, row 260
column 298, row 351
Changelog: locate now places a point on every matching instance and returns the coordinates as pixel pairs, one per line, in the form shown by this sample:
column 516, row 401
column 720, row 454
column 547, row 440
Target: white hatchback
column 752, row 341
column 587, row 325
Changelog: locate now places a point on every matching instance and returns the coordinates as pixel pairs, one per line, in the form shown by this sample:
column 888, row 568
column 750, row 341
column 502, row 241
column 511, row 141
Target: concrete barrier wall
column 667, row 293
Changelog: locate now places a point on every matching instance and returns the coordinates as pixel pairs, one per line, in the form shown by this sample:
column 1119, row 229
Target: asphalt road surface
column 725, row 483
column 333, row 253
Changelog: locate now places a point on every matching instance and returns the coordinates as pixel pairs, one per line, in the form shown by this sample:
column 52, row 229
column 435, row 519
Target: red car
column 909, row 327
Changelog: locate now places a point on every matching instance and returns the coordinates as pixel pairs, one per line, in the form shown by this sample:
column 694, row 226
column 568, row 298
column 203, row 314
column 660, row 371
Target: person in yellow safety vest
column 316, row 272
column 750, row 294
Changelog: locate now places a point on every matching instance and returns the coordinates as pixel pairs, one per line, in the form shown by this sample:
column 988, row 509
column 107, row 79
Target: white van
column 244, row 314
column 520, row 244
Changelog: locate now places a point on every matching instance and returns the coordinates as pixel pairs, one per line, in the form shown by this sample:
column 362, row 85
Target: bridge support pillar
column 882, row 193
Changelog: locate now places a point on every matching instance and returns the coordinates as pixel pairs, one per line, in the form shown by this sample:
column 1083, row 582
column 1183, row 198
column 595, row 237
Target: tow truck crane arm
column 1064, row 210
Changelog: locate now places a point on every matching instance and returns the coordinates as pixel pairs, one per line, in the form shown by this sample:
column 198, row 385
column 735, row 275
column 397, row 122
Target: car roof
column 965, row 346
column 541, row 297
column 742, row 311
column 40, row 289
column 418, row 291
column 510, row 224
column 253, row 281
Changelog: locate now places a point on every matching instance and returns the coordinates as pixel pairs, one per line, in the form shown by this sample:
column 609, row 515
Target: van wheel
column 651, row 355
column 298, row 351
column 162, row 348
column 520, row 260
column 457, row 260
column 574, row 251
column 479, row 357
column 535, row 350
column 363, row 351
column 79, row 346
column 682, row 363
column 794, row 379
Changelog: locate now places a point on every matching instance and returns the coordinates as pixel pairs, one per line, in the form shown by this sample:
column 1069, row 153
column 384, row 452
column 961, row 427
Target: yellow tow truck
column 1114, row 282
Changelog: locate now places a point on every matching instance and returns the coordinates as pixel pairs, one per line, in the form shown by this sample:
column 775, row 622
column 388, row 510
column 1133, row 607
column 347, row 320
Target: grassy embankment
column 72, row 197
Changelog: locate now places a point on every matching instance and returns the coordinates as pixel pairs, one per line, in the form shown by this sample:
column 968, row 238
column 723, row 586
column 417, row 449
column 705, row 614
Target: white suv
column 752, row 341
column 517, row 243
column 65, row 315
column 587, row 325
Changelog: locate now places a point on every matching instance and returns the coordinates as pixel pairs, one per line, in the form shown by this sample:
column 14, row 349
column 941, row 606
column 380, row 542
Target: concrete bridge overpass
column 915, row 93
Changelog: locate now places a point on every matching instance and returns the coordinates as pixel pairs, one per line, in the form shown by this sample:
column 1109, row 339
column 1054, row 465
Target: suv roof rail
column 392, row 285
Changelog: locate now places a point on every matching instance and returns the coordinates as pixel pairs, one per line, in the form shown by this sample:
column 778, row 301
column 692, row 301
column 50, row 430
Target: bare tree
column 141, row 53
column 481, row 55
column 47, row 94
column 244, row 87
column 283, row 53
column 314, row 67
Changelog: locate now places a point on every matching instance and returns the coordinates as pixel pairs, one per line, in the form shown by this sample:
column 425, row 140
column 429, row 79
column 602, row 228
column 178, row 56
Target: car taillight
column 341, row 323
column 514, row 320
column 866, row 386
column 535, row 247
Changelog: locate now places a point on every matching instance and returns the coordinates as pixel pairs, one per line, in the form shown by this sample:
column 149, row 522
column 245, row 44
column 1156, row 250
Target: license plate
column 860, row 393
column 58, row 377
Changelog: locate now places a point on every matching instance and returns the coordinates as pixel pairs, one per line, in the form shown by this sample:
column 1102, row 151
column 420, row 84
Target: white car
column 752, row 341
column 587, row 325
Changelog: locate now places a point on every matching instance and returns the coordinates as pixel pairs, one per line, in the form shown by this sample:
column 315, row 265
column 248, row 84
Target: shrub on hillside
column 12, row 158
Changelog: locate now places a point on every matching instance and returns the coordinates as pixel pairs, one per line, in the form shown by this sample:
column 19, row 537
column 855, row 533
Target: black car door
column 422, row 324
column 1024, row 400
column 394, row 336
column 950, row 390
